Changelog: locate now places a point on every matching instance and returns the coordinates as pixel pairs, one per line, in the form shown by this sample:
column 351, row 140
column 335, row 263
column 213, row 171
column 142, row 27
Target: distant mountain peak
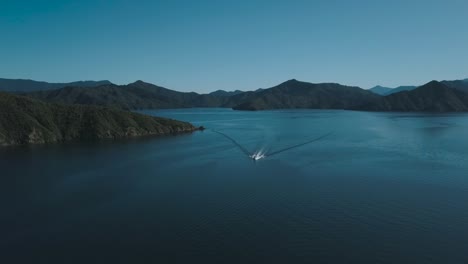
column 138, row 82
column 433, row 85
column 382, row 90
column 378, row 89
column 291, row 81
column 225, row 93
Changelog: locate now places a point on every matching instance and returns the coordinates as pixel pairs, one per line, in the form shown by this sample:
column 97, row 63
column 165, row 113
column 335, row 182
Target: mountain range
column 96, row 110
column 387, row 90
column 21, row 85
column 432, row 97
column 446, row 96
column 297, row 94
column 461, row 85
column 137, row 95
column 289, row 94
column 141, row 95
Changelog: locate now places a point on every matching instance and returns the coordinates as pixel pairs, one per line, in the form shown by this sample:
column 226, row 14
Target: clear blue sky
column 205, row 45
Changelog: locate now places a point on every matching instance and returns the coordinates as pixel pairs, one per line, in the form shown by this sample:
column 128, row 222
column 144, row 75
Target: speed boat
column 257, row 156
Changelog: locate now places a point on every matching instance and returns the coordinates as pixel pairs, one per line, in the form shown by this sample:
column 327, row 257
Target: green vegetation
column 137, row 95
column 28, row 121
column 387, row 91
column 20, row 85
column 296, row 94
column 447, row 96
column 431, row 97
column 443, row 96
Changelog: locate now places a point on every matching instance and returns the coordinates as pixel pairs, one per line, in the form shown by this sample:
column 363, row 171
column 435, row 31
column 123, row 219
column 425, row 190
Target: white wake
column 260, row 154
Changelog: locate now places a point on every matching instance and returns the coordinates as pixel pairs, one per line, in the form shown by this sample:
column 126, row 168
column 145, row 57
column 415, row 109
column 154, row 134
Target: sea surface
column 332, row 187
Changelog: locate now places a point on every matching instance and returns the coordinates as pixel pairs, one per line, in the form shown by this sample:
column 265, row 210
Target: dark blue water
column 382, row 188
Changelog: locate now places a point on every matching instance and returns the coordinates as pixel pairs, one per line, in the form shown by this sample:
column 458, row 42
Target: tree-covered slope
column 137, row 95
column 28, row 121
column 21, row 85
column 431, row 97
column 296, row 94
